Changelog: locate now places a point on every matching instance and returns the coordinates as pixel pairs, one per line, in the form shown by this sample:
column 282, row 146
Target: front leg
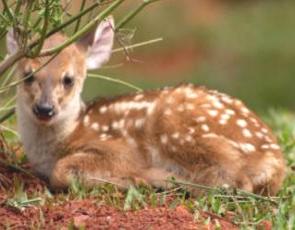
column 89, row 168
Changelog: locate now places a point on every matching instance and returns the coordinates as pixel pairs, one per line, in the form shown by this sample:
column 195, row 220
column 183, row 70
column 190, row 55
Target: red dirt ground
column 90, row 213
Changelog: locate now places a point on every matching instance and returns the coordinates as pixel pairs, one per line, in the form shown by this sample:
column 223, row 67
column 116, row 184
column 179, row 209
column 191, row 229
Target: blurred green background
column 243, row 48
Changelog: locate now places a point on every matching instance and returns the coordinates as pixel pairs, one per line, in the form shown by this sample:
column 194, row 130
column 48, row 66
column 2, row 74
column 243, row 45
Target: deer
column 186, row 132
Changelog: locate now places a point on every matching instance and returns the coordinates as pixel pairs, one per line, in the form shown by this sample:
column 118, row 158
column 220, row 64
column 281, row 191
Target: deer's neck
column 42, row 143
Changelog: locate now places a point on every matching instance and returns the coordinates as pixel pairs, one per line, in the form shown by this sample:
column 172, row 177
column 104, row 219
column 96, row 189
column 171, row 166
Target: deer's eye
column 29, row 78
column 68, row 81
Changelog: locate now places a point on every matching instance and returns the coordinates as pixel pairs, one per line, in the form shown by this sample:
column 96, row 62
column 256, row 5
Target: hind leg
column 268, row 174
column 214, row 162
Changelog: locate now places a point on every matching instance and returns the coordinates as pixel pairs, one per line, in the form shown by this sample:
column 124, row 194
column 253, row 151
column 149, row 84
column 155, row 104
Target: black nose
column 44, row 110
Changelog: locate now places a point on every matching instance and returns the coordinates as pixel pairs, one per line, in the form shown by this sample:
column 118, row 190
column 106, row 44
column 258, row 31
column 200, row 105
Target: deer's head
column 52, row 84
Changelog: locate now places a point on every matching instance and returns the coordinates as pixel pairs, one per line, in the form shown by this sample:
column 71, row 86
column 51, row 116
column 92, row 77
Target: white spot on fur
column 245, row 110
column 192, row 95
column 103, row 109
column 227, row 99
column 200, row 119
column 138, row 97
column 86, row 120
column 223, row 122
column 104, row 137
column 164, row 139
column 247, row 147
column 212, row 112
column 205, row 128
column 247, row 133
column 275, row 146
column 151, row 108
column 95, row 126
column 259, row 135
column 270, row 146
column 210, row 135
column 264, row 130
column 139, row 123
column 128, row 105
column 175, row 135
column 268, row 139
column 121, row 123
column 188, row 138
column 115, row 125
column 242, row 123
column 217, row 104
column 225, row 116
column 230, row 112
column 189, row 106
column 191, row 130
column 238, row 102
column 255, row 122
column 167, row 112
column 105, row 128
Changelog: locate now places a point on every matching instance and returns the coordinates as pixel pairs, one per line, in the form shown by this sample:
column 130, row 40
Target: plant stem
column 114, row 80
column 8, row 62
column 137, row 45
column 7, row 10
column 84, row 30
column 79, row 19
column 6, row 116
column 44, row 30
column 133, row 13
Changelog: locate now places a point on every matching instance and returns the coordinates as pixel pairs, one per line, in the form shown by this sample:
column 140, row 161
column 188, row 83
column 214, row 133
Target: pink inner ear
column 11, row 42
column 100, row 51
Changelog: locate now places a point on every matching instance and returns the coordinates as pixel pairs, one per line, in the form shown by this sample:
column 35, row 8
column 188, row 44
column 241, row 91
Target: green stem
column 75, row 18
column 84, row 30
column 79, row 19
column 6, row 116
column 26, row 19
column 7, row 10
column 43, row 32
column 8, row 62
column 137, row 45
column 133, row 13
column 114, row 80
column 8, row 76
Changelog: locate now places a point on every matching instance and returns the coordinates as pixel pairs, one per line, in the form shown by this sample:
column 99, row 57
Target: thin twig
column 7, row 115
column 114, row 80
column 84, row 30
column 44, row 30
column 79, row 19
column 137, row 45
column 133, row 13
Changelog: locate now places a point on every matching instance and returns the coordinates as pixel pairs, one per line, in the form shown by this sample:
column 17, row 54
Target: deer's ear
column 11, row 43
column 98, row 44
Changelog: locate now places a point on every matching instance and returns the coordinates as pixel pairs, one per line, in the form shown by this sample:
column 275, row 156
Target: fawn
column 186, row 132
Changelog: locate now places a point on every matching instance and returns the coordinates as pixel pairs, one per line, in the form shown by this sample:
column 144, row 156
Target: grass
column 248, row 210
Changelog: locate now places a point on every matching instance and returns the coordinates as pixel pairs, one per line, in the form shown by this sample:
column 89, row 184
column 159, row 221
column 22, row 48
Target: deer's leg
column 91, row 169
column 214, row 162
